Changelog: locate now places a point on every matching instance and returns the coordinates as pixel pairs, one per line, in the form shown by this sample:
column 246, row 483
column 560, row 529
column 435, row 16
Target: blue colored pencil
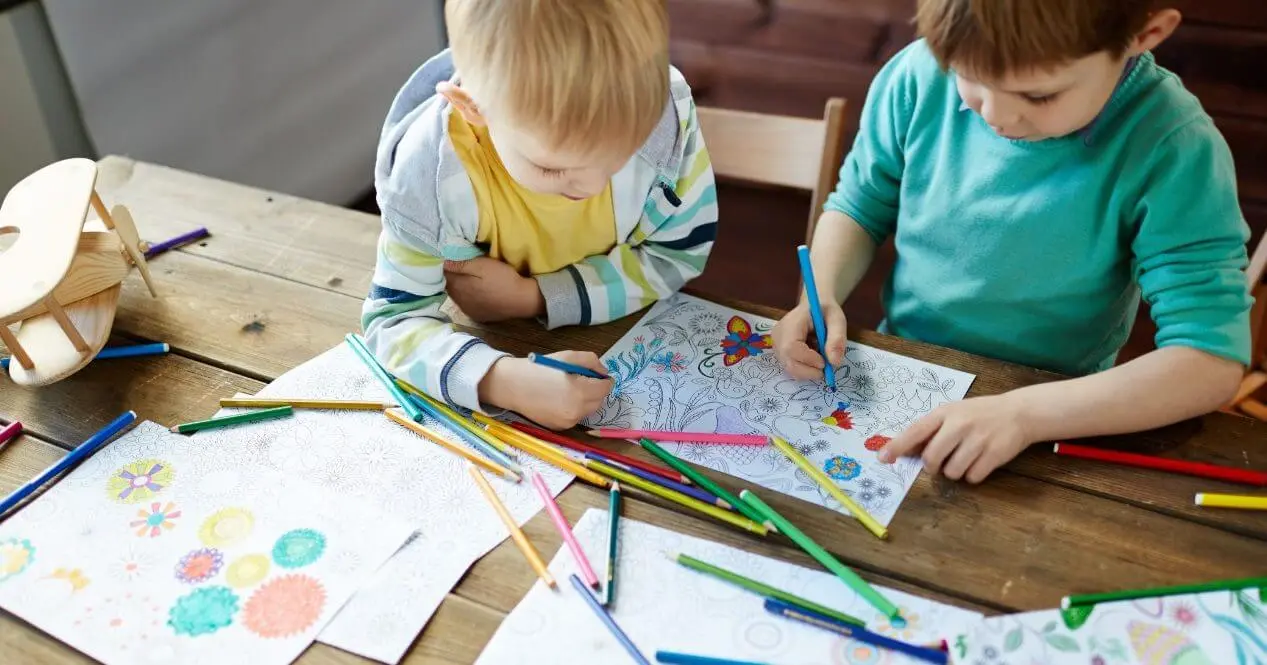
column 608, row 620
column 81, row 452
column 120, row 352
column 565, row 366
column 502, row 459
column 816, row 311
column 671, row 658
column 810, row 617
column 662, row 481
column 183, row 239
column 411, row 408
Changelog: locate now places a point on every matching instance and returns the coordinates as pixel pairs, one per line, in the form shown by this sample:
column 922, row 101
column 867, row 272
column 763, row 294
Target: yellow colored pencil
column 404, row 421
column 542, row 451
column 340, row 404
column 1232, row 501
column 826, row 483
column 677, row 497
column 516, row 534
column 457, row 418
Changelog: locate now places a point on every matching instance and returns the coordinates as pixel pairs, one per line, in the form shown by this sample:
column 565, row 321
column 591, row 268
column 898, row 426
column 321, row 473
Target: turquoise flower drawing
column 841, row 467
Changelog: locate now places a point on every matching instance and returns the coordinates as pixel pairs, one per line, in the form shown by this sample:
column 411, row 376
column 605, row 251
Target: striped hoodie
column 665, row 202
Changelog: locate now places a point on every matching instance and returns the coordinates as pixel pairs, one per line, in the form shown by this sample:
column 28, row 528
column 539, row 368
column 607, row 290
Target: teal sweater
column 1037, row 253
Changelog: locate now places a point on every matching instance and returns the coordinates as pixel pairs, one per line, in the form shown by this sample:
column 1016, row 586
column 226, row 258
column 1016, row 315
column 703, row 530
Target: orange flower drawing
column 284, row 606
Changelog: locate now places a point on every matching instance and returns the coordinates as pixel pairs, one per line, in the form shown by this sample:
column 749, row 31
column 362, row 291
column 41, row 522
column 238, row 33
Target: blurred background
column 289, row 95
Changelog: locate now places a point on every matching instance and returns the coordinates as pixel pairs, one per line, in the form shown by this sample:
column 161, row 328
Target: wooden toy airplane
column 61, row 279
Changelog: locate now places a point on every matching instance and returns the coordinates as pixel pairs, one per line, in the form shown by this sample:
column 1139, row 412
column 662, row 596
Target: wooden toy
column 61, row 278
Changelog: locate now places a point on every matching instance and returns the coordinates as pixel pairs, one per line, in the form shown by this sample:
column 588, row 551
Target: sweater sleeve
column 1189, row 248
column 871, row 176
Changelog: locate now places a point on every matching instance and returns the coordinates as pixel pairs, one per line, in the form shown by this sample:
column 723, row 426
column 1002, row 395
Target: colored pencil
column 299, row 403
column 687, row 437
column 671, row 658
column 120, row 352
column 613, row 543
column 562, row 366
column 1084, row 600
column 235, row 419
column 822, row 556
column 467, row 431
column 383, row 377
column 571, row 444
column 808, row 617
column 544, row 452
column 816, row 314
column 761, row 588
column 826, row 483
column 436, row 438
column 179, row 241
column 80, row 453
column 678, row 498
column 565, row 531
column 444, row 413
column 1232, row 501
column 10, row 431
column 706, row 483
column 530, row 553
column 601, row 613
column 1227, row 473
column 653, row 478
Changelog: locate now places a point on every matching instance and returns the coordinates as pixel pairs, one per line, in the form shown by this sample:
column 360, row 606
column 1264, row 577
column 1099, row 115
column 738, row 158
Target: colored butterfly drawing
column 742, row 342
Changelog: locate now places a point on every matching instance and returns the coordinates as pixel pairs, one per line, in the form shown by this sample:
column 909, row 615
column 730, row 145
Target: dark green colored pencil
column 235, row 419
column 613, row 543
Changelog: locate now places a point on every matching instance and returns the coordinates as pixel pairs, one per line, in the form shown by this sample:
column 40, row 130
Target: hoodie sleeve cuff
column 463, row 373
column 566, row 303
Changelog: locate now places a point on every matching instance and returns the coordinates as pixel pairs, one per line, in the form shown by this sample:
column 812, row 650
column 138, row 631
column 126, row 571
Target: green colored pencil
column 1225, row 585
column 763, row 589
column 411, row 409
column 706, row 483
column 679, row 498
column 822, row 556
column 613, row 543
column 235, row 419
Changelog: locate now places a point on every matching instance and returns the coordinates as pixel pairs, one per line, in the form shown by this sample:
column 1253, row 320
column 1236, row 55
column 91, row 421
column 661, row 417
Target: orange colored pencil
column 542, row 451
column 434, row 437
column 516, row 534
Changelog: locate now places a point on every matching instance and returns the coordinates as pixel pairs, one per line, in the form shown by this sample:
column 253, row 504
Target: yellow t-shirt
column 533, row 233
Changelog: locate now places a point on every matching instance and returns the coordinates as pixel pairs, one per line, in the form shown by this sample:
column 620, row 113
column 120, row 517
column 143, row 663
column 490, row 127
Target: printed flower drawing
column 199, row 565
column 140, row 481
column 842, row 468
column 203, row 611
column 742, row 342
column 298, row 548
column 226, row 527
column 158, row 519
column 669, row 361
column 284, row 606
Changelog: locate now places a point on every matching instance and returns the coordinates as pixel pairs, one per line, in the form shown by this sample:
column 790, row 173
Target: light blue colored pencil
column 671, row 658
column 411, row 409
column 120, row 352
column 816, row 312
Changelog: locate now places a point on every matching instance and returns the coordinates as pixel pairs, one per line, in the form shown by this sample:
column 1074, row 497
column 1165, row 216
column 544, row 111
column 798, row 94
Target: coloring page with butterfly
column 694, row 366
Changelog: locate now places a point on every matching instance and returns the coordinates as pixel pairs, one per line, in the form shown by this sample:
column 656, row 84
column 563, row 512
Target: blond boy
column 549, row 165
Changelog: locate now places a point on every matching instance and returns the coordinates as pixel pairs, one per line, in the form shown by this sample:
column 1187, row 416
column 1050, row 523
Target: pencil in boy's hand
column 525, row 546
column 816, row 313
column 564, row 366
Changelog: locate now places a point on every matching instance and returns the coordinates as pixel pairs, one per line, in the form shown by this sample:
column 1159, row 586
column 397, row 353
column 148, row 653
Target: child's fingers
column 989, row 460
column 837, row 335
column 801, row 354
column 964, row 456
column 911, row 439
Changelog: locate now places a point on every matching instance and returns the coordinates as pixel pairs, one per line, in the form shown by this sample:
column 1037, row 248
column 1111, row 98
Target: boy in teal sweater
column 1039, row 172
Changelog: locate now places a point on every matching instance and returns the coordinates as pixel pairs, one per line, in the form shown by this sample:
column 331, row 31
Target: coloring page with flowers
column 154, row 551
column 695, row 366
column 1213, row 628
column 663, row 605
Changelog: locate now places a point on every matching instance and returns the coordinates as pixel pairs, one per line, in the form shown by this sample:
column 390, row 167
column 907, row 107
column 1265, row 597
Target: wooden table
column 282, row 279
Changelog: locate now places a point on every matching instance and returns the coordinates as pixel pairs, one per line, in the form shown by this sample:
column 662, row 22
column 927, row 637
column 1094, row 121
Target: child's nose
column 998, row 113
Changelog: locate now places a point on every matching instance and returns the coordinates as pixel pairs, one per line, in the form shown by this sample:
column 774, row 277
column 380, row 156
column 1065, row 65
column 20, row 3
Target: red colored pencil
column 11, row 431
column 691, row 437
column 559, row 439
column 1227, row 473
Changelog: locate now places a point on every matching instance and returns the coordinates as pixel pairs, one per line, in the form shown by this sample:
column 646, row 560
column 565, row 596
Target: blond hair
column 581, row 74
column 996, row 37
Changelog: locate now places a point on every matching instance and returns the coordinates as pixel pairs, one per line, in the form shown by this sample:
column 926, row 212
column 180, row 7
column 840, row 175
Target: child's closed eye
column 550, row 173
column 1040, row 99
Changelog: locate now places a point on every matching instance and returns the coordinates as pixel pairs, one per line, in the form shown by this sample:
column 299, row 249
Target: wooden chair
column 1245, row 401
column 784, row 151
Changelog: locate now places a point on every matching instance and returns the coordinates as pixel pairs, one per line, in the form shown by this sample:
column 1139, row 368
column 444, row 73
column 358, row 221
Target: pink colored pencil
column 10, row 432
column 692, row 437
column 565, row 531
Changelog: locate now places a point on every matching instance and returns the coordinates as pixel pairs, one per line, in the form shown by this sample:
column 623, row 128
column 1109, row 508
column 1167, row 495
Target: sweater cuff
column 566, row 303
column 460, row 380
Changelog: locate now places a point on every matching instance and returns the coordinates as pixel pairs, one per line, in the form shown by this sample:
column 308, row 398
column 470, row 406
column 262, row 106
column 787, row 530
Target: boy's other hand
column 967, row 439
column 555, row 399
column 488, row 290
column 791, row 341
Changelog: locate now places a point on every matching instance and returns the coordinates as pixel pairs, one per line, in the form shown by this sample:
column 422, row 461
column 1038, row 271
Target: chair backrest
column 801, row 153
column 1258, row 315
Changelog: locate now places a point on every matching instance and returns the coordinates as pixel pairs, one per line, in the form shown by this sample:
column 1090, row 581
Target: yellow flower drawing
column 226, row 527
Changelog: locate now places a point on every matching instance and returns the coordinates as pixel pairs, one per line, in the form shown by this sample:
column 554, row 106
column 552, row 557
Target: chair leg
column 16, row 349
column 1249, row 385
column 1254, row 408
column 64, row 322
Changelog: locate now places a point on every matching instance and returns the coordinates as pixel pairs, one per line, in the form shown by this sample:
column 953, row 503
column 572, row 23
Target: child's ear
column 1160, row 26
column 462, row 101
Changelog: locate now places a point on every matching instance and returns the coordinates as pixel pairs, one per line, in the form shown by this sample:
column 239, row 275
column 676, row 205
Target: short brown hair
column 996, row 37
column 586, row 74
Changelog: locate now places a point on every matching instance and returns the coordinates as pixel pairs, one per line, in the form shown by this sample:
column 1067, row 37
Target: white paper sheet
column 672, row 374
column 663, row 605
column 363, row 455
column 159, row 550
column 1216, row 628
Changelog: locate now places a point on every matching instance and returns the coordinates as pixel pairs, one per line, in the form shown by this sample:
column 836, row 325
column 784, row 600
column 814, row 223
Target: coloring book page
column 155, row 550
column 695, row 366
column 663, row 605
column 1213, row 628
column 363, row 455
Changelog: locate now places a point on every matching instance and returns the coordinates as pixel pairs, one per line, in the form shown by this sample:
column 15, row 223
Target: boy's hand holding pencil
column 793, row 332
column 558, row 390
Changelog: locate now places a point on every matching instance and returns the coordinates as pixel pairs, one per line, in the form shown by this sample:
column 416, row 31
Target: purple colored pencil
column 693, row 492
column 178, row 241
